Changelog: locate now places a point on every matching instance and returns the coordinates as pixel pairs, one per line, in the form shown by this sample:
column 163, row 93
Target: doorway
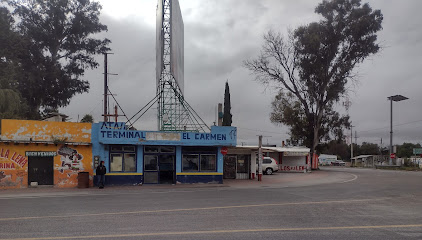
column 159, row 165
column 41, row 170
column 229, row 167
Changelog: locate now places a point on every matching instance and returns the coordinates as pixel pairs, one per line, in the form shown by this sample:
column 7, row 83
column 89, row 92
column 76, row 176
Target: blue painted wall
column 105, row 134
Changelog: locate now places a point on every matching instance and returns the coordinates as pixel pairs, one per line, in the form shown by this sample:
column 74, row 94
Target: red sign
column 292, row 168
column 224, row 150
column 392, row 155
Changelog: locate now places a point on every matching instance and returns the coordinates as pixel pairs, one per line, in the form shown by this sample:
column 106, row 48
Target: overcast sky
column 219, row 35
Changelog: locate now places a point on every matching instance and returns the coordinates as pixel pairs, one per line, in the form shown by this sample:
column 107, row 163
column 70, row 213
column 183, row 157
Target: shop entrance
column 159, row 165
column 229, row 171
column 40, row 169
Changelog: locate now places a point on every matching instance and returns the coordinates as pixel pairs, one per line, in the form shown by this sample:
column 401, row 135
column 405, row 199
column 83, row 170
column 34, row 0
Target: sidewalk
column 277, row 180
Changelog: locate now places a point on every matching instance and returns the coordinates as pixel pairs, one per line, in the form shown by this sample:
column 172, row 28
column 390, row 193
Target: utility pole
column 105, row 88
column 351, row 142
column 356, row 138
column 260, row 158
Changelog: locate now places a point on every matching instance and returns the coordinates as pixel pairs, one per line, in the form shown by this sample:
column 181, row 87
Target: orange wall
column 69, row 160
column 25, row 130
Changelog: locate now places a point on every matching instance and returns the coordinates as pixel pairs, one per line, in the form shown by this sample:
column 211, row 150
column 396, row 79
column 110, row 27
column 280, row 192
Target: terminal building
column 135, row 157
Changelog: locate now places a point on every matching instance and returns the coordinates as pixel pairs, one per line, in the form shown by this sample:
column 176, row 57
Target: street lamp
column 395, row 98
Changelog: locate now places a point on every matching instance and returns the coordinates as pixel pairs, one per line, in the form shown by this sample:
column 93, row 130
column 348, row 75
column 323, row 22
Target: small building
column 154, row 157
column 369, row 160
column 44, row 153
column 240, row 161
column 326, row 159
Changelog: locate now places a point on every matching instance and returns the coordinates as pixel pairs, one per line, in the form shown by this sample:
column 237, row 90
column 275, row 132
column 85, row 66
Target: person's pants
column 101, row 180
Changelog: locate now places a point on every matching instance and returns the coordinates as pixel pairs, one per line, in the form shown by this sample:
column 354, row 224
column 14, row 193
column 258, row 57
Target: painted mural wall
column 68, row 159
column 28, row 130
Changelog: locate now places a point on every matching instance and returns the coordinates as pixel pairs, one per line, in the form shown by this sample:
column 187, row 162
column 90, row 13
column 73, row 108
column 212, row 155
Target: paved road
column 354, row 204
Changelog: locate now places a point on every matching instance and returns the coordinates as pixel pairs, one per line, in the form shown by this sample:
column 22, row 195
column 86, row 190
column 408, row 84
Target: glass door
column 150, row 168
column 166, row 169
column 159, row 165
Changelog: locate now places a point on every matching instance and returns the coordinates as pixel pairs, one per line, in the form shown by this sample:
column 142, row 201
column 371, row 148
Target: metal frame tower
column 174, row 113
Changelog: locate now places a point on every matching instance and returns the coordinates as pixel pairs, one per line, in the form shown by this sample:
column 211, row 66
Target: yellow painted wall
column 70, row 159
column 26, row 130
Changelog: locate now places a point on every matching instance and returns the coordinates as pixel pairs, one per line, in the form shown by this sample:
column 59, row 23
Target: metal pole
column 105, row 87
column 391, row 131
column 351, row 143
column 260, row 159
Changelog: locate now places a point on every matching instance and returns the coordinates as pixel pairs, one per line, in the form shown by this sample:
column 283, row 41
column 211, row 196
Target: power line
column 257, row 130
column 396, row 125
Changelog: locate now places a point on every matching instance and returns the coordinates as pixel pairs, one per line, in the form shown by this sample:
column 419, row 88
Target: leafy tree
column 334, row 147
column 369, row 149
column 317, row 60
column 287, row 110
column 406, row 150
column 87, row 119
column 11, row 103
column 61, row 48
column 227, row 116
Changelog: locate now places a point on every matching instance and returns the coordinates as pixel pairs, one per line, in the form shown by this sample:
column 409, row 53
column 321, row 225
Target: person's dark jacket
column 101, row 170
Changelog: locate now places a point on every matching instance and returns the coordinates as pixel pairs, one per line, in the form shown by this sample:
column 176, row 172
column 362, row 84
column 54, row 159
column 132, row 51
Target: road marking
column 224, row 231
column 354, row 178
column 197, row 209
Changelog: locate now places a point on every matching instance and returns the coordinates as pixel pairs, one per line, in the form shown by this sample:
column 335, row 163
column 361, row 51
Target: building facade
column 135, row 157
column 44, row 153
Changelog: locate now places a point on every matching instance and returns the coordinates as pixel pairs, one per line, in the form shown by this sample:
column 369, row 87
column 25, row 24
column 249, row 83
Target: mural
column 67, row 143
column 11, row 161
column 70, row 159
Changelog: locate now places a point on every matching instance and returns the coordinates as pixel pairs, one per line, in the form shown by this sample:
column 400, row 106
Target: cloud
column 219, row 35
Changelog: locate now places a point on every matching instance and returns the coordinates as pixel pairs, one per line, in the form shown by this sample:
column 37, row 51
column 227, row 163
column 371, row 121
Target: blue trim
column 140, row 159
column 117, row 133
column 121, row 180
column 199, row 179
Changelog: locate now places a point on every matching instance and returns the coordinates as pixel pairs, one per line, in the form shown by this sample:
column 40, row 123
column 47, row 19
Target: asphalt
column 334, row 203
column 276, row 180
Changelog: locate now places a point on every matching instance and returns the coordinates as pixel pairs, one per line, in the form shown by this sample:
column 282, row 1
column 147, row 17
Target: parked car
column 269, row 165
column 338, row 163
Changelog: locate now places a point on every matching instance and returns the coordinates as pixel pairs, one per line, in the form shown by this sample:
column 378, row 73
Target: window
column 208, row 162
column 195, row 159
column 243, row 163
column 159, row 149
column 130, row 162
column 150, row 162
column 122, row 159
column 151, row 149
column 116, row 162
column 190, row 162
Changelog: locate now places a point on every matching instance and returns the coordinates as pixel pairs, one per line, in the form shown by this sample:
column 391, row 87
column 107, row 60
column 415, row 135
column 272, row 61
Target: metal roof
column 276, row 149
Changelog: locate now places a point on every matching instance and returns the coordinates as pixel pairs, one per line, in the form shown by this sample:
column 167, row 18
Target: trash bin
column 83, row 180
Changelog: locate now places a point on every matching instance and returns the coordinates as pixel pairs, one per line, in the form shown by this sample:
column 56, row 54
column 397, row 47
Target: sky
column 220, row 35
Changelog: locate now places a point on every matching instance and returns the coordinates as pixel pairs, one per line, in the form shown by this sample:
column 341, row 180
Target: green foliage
column 334, row 147
column 315, row 63
column 60, row 49
column 227, row 116
column 11, row 103
column 287, row 110
column 368, row 149
column 87, row 119
column 406, row 150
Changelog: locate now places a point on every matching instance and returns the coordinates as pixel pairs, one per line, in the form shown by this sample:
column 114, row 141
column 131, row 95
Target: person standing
column 101, row 171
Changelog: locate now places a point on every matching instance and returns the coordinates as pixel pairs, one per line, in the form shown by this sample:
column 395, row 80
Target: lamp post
column 395, row 98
